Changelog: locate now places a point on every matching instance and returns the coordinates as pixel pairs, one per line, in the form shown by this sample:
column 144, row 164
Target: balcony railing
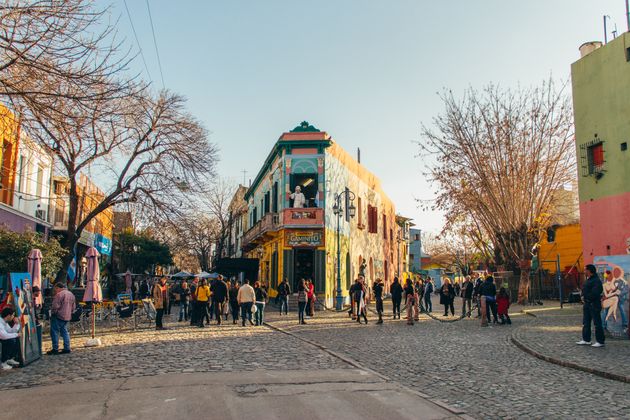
column 307, row 217
column 269, row 223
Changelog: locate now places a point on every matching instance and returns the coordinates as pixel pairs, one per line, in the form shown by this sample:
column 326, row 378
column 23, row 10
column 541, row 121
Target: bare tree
column 147, row 149
column 500, row 155
column 193, row 234
column 217, row 201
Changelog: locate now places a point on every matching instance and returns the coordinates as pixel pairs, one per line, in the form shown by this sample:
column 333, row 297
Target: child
column 503, row 303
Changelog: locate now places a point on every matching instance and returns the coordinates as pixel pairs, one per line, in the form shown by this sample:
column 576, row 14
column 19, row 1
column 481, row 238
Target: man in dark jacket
column 489, row 290
column 284, row 291
column 428, row 291
column 592, row 297
column 467, row 294
column 219, row 297
column 397, row 292
column 378, row 296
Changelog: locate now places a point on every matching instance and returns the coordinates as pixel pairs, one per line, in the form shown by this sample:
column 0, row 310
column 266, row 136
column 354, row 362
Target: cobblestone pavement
column 473, row 368
column 553, row 333
column 182, row 349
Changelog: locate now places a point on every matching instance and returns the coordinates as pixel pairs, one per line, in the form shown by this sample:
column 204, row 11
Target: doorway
column 303, row 265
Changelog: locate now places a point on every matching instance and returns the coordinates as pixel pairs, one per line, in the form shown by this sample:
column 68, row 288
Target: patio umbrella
column 182, row 274
column 35, row 270
column 203, row 275
column 128, row 282
column 93, row 292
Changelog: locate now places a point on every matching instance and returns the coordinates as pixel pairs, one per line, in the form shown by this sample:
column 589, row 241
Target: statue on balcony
column 298, row 198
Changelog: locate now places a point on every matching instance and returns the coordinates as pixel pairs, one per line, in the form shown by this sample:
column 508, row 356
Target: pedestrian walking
column 592, row 298
column 284, row 291
column 9, row 333
column 360, row 299
column 477, row 294
column 428, row 291
column 489, row 290
column 234, row 307
column 219, row 297
column 203, row 294
column 261, row 301
column 302, row 299
column 246, row 298
column 351, row 313
column 378, row 296
column 396, row 291
column 467, row 295
column 419, row 287
column 410, row 301
column 160, row 297
column 63, row 304
column 503, row 304
column 447, row 295
column 193, row 305
column 184, row 302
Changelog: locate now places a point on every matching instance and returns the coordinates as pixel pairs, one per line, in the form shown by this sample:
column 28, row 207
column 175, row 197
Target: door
column 303, row 265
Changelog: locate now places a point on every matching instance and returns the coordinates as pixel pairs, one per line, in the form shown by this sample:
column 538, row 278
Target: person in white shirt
column 246, row 298
column 9, row 329
column 298, row 198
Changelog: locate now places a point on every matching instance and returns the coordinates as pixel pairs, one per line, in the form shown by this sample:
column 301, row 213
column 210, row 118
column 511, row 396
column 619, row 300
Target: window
column 416, row 237
column 372, row 219
column 274, row 198
column 267, row 202
column 384, row 226
column 360, row 213
column 411, row 257
column 40, row 182
column 592, row 158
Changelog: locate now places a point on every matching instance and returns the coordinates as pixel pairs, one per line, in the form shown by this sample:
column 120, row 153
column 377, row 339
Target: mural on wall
column 614, row 270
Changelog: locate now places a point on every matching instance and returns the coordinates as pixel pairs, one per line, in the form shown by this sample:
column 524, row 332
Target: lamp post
column 338, row 211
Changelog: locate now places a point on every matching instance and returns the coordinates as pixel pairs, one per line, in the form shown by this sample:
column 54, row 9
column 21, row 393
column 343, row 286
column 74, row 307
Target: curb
column 564, row 363
column 456, row 411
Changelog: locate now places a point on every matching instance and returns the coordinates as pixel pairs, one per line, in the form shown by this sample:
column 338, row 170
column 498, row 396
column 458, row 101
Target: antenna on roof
column 606, row 17
column 359, row 154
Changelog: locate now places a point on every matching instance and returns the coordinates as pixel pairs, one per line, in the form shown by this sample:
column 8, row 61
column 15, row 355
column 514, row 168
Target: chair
column 147, row 314
column 80, row 322
column 124, row 310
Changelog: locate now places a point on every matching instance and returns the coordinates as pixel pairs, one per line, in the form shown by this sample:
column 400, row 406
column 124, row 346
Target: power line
column 133, row 28
column 157, row 52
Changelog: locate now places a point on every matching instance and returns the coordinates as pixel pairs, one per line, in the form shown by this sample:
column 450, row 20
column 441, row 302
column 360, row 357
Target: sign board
column 615, row 299
column 30, row 339
column 313, row 238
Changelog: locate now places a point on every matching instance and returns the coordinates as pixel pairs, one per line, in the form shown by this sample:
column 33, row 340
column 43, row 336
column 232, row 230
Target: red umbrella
column 93, row 292
column 35, row 270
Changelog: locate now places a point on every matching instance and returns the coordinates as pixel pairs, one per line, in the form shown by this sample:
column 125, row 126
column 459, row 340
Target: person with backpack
column 396, row 291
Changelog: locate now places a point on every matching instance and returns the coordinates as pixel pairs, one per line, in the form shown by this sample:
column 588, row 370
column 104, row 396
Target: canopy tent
column 182, row 274
column 205, row 275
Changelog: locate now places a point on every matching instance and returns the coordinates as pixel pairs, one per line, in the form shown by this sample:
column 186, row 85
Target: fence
column 543, row 285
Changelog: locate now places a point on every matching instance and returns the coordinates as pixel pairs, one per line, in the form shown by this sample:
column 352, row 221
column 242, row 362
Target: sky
column 368, row 72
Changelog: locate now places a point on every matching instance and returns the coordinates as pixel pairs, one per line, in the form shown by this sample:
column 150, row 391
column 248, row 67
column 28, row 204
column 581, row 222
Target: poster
column 313, row 238
column 614, row 270
column 30, row 337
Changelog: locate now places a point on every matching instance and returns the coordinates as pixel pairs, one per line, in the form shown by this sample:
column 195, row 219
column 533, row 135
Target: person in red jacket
column 310, row 294
column 503, row 304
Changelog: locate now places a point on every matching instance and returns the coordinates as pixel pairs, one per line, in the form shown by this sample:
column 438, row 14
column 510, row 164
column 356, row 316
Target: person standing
column 219, row 297
column 193, row 305
column 467, row 294
column 310, row 294
column 378, row 296
column 160, row 301
column 246, row 298
column 145, row 288
column 184, row 302
column 63, row 304
column 489, row 290
column 503, row 304
column 284, row 291
column 202, row 294
column 9, row 332
column 447, row 295
column 397, row 291
column 302, row 299
column 410, row 301
column 477, row 294
column 234, row 308
column 428, row 291
column 261, row 300
column 360, row 298
column 592, row 296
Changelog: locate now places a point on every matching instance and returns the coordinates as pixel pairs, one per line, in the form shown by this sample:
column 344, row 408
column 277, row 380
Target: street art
column 30, row 338
column 614, row 270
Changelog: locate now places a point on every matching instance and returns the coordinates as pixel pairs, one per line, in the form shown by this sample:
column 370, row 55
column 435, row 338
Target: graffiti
column 614, row 270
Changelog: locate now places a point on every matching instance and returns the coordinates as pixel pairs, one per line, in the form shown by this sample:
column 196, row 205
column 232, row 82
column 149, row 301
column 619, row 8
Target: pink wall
column 605, row 226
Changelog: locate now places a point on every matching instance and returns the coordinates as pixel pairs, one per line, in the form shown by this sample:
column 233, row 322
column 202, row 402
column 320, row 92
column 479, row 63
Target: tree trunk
column 523, row 285
column 72, row 236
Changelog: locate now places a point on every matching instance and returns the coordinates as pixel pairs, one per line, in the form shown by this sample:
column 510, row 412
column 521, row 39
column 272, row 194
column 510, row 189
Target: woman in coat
column 447, row 295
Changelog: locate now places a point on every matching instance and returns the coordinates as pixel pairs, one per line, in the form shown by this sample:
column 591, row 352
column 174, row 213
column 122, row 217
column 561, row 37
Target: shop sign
column 304, row 238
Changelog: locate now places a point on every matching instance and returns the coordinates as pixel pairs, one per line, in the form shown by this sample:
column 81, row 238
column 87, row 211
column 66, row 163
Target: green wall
column 601, row 101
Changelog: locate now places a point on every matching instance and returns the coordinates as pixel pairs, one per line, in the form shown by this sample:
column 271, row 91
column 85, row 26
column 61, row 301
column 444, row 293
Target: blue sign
column 103, row 244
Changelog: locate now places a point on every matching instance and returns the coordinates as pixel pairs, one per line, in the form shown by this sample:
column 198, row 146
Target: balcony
column 269, row 223
column 306, row 217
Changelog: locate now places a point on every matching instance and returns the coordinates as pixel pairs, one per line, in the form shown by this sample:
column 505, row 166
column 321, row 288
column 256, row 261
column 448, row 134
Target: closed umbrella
column 128, row 282
column 93, row 292
column 35, row 270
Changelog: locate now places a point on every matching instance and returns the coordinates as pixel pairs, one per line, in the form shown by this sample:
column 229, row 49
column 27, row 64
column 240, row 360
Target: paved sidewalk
column 552, row 336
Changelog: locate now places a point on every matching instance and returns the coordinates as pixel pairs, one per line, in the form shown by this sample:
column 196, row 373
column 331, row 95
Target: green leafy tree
column 139, row 253
column 14, row 248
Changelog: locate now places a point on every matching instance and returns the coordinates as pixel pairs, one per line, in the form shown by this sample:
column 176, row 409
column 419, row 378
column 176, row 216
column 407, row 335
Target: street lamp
column 351, row 210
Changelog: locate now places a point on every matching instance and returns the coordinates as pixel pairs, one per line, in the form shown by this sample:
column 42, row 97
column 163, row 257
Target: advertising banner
column 311, row 238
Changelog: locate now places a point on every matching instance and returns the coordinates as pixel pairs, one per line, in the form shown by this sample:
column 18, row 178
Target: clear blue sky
column 367, row 72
